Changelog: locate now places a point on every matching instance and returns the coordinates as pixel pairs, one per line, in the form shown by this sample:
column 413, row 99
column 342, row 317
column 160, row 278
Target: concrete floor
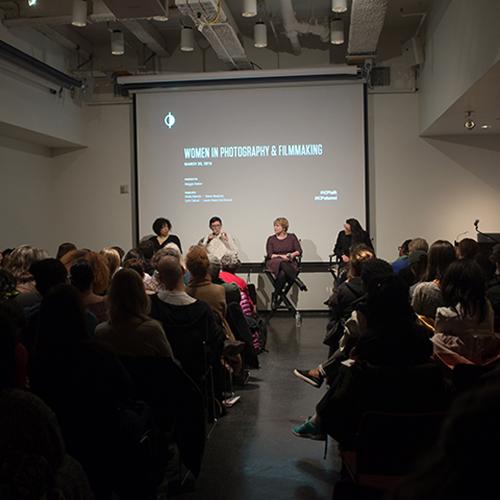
column 252, row 454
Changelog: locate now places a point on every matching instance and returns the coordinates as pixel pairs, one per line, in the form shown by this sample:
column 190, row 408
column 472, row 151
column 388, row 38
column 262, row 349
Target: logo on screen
column 169, row 120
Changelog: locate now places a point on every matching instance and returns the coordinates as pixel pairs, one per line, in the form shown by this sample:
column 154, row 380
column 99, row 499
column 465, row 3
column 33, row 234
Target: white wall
column 91, row 211
column 427, row 187
column 26, row 208
column 461, row 44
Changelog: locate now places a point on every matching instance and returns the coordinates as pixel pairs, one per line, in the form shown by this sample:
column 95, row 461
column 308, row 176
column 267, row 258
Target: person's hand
column 223, row 237
column 211, row 236
column 345, row 259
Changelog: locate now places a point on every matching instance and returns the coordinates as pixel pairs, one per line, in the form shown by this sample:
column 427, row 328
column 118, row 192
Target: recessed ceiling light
column 485, row 126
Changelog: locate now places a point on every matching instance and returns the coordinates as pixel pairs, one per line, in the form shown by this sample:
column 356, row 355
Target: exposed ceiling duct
column 214, row 20
column 293, row 27
column 134, row 9
column 367, row 20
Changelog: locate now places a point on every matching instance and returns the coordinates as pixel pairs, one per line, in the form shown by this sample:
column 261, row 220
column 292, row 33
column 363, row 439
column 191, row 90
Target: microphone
column 476, row 223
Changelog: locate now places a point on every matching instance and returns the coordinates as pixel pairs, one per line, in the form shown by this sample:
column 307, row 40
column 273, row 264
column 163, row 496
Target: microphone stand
column 486, row 235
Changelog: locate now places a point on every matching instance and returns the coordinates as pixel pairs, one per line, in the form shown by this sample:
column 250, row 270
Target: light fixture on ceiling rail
column 79, row 17
column 187, row 39
column 31, row 3
column 469, row 123
column 339, row 6
column 249, row 8
column 260, row 35
column 162, row 17
column 117, row 43
column 485, row 126
column 337, row 32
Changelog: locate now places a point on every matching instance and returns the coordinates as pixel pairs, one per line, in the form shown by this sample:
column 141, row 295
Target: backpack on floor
column 258, row 330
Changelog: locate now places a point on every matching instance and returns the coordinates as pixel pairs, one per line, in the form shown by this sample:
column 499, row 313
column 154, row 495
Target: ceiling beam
column 63, row 36
column 147, row 34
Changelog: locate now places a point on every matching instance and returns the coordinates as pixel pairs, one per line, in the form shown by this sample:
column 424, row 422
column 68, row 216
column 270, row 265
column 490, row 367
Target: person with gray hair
column 232, row 290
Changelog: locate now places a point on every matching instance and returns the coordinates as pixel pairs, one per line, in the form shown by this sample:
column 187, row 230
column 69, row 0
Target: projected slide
column 250, row 155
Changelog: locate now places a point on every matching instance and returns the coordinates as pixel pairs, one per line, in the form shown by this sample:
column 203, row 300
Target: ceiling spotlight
column 187, row 39
column 79, row 17
column 337, row 32
column 249, row 8
column 162, row 17
column 260, row 35
column 117, row 43
column 485, row 126
column 469, row 122
column 339, row 6
column 31, row 3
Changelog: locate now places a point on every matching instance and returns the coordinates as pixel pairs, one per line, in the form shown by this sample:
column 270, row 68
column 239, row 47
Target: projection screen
column 250, row 154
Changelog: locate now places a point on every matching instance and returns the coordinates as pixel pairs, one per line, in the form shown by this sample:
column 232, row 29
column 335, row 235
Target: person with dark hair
column 402, row 261
column 218, row 242
column 427, row 297
column 461, row 465
column 130, row 331
column 343, row 301
column 81, row 276
column 493, row 286
column 85, row 385
column 233, row 294
column 383, row 372
column 64, row 248
column 467, row 248
column 33, row 460
column 464, row 326
column 161, row 228
column 352, row 234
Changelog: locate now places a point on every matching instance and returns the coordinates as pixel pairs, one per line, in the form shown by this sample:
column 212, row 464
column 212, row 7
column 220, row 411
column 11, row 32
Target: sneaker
column 307, row 377
column 309, row 430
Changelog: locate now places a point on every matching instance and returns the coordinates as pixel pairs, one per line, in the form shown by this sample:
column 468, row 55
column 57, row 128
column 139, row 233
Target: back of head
column 127, row 298
column 404, row 249
column 64, row 248
column 495, row 255
column 214, row 267
column 21, row 259
column 418, row 244
column 464, row 284
column 112, row 259
column 8, row 343
column 136, row 264
column 171, row 272
column 467, row 248
column 48, row 273
column 166, row 251
column 358, row 255
column 62, row 320
column 441, row 255
column 230, row 263
column 31, row 447
column 81, row 275
column 197, row 262
column 7, row 285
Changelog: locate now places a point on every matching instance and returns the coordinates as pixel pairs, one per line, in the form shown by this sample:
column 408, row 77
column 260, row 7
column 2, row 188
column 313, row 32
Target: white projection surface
column 250, row 155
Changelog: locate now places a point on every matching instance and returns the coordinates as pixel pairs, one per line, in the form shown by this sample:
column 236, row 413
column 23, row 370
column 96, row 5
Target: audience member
column 218, row 242
column 402, row 261
column 112, row 259
column 230, row 264
column 64, row 248
column 130, row 331
column 389, row 370
column 81, row 277
column 187, row 322
column 19, row 263
column 493, row 286
column 467, row 248
column 427, row 295
column 464, row 326
column 98, row 264
column 232, row 290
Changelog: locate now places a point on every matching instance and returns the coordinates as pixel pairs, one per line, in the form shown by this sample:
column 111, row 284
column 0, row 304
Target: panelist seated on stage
column 163, row 237
column 218, row 242
column 352, row 234
column 282, row 252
